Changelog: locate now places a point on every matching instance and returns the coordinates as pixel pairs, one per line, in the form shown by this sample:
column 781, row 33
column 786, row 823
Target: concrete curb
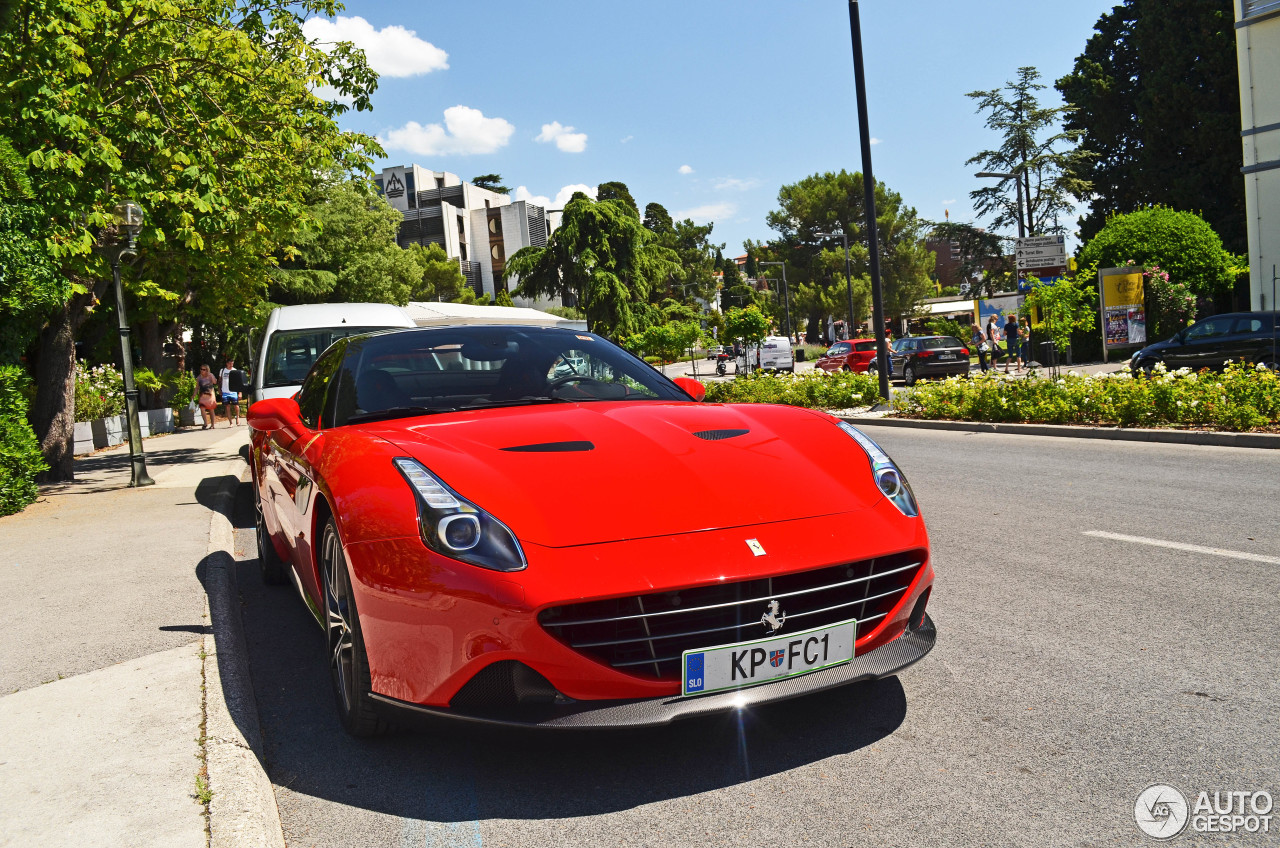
column 1180, row 437
column 243, row 809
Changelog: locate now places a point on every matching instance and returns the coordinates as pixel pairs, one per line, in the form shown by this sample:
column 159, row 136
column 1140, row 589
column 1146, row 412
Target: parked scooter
column 722, row 363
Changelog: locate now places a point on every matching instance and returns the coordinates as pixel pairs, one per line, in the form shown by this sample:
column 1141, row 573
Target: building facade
column 1258, row 55
column 477, row 227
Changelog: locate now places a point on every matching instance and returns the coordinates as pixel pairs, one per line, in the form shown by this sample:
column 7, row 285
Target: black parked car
column 916, row 357
column 1210, row 342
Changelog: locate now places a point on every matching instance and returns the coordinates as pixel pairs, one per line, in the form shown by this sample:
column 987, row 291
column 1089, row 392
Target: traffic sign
column 1041, row 252
column 1042, row 241
column 1028, row 263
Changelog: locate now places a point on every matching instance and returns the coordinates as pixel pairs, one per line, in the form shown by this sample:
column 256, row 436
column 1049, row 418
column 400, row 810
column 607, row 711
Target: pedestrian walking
column 993, row 337
column 1026, row 342
column 230, row 379
column 206, row 385
column 1012, row 348
column 980, row 343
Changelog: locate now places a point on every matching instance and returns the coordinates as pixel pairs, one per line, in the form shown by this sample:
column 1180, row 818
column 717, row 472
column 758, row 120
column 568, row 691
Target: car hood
column 579, row 474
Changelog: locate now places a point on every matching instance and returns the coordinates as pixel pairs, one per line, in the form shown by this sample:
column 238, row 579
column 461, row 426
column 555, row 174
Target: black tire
column 344, row 642
column 273, row 569
column 909, row 374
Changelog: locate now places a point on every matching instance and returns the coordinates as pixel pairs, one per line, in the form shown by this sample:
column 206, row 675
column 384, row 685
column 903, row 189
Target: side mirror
column 276, row 414
column 692, row 387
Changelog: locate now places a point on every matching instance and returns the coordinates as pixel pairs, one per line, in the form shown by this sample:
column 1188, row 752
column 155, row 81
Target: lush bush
column 20, row 459
column 948, row 327
column 99, row 392
column 1181, row 243
column 1242, row 398
column 815, row 389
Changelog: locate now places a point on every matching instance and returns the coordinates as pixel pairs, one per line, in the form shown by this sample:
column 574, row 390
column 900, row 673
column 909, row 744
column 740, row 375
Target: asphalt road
column 1072, row 671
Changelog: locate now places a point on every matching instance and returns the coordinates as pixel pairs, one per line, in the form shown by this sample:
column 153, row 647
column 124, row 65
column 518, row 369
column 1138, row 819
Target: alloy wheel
column 338, row 609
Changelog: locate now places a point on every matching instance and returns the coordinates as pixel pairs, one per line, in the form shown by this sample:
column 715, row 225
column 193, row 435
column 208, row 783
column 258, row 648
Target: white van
column 776, row 355
column 296, row 336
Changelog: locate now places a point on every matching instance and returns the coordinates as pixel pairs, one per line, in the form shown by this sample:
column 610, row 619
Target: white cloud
column 626, row 139
column 875, row 140
column 706, row 213
column 565, row 138
column 561, row 198
column 392, row 51
column 465, row 131
column 735, row 184
column 948, row 202
column 685, row 169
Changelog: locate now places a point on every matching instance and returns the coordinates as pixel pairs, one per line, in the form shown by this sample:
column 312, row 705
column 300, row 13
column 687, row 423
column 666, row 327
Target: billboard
column 1124, row 318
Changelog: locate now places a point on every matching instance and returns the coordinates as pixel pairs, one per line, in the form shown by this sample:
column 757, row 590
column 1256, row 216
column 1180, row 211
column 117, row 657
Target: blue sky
column 707, row 108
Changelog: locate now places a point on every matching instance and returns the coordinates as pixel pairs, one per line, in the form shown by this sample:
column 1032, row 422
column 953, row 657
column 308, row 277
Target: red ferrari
column 524, row 525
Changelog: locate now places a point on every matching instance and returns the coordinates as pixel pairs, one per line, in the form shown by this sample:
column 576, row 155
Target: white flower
column 1262, row 366
column 1073, row 373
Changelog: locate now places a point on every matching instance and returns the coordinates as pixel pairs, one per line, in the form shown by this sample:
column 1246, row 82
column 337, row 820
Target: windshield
column 418, row 372
column 291, row 353
column 941, row 342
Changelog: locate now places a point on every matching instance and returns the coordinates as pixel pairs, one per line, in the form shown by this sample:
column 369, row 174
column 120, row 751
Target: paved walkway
column 103, row 645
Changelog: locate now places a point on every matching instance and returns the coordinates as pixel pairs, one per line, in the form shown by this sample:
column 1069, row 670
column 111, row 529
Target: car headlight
column 891, row 482
column 457, row 528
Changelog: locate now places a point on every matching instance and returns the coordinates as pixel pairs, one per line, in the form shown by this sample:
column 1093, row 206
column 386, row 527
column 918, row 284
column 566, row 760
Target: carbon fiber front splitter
column 885, row 661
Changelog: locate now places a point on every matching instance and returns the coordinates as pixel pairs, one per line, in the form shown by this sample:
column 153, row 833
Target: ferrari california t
column 523, row 525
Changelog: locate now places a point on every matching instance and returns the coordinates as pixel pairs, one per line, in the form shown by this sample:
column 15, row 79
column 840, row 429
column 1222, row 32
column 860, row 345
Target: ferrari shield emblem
column 756, row 547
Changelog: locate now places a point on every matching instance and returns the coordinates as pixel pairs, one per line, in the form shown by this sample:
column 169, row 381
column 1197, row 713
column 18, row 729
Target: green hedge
column 20, row 459
column 815, row 389
column 1242, row 398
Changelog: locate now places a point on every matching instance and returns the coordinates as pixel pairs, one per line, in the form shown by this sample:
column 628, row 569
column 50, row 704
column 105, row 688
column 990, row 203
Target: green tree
column 1035, row 151
column 1155, row 98
column 749, row 324
column 831, row 202
column 657, row 219
column 200, row 110
column 440, row 276
column 492, row 182
column 352, row 255
column 1066, row 307
column 619, row 192
column 602, row 259
column 30, row 285
column 503, row 298
column 1181, row 243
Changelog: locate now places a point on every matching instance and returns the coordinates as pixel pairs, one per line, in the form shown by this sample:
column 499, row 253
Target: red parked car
column 482, row 536
column 852, row 355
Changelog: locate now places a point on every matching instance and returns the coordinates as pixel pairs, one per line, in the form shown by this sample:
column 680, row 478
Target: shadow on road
column 454, row 772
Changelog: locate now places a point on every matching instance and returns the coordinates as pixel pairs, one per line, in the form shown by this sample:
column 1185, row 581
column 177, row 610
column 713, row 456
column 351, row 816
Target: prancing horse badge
column 756, row 547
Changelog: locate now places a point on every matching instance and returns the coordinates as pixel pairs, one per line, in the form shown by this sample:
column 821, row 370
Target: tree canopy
column 1155, row 98
column 1181, row 243
column 602, row 259
column 203, row 112
column 1034, row 150
column 492, row 182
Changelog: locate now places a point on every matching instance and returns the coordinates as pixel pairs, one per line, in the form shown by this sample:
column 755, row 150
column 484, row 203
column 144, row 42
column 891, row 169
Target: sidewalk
column 105, row 650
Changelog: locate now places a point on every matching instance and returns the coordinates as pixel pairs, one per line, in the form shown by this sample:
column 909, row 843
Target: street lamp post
column 129, row 222
column 848, row 277
column 869, row 192
column 786, row 294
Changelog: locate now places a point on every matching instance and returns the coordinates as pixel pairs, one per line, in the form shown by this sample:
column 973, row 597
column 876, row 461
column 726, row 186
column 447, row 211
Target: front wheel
column 909, row 375
column 348, row 662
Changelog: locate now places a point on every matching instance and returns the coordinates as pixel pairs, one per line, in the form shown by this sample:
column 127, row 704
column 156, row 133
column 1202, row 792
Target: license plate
column 946, row 356
column 763, row 660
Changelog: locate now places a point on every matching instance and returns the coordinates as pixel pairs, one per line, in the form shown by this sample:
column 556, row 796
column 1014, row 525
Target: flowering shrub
column 815, row 389
column 99, row 392
column 1244, row 397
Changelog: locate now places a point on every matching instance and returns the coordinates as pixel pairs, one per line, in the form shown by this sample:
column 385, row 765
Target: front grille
column 647, row 634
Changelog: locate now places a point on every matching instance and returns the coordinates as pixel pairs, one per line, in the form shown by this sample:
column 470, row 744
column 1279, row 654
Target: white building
column 478, row 227
column 1258, row 54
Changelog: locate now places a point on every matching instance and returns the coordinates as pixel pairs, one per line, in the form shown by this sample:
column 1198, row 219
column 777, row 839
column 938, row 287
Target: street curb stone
column 1126, row 434
column 243, row 809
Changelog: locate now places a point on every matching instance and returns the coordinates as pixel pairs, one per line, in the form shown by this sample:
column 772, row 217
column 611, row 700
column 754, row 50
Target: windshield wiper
column 527, row 400
column 398, row 412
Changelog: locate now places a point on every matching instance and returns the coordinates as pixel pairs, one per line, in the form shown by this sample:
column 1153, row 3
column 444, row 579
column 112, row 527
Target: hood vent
column 719, row 435
column 553, row 447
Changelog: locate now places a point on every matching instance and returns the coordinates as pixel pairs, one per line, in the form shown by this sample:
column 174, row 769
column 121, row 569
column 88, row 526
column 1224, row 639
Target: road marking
column 1181, row 546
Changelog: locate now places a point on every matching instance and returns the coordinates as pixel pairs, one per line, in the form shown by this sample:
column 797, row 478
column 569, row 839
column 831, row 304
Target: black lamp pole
column 129, row 218
column 869, row 186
